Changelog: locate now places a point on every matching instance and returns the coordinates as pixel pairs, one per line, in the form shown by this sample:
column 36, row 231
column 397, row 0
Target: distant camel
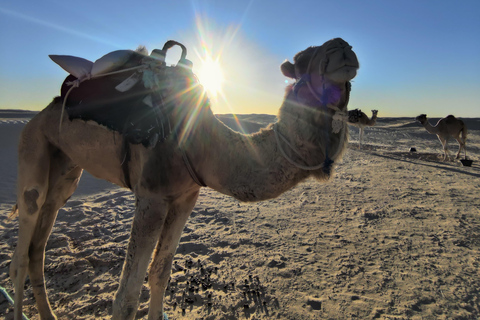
column 166, row 172
column 360, row 120
column 446, row 127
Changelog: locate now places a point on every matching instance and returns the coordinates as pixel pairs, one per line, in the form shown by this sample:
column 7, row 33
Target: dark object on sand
column 466, row 162
column 413, row 150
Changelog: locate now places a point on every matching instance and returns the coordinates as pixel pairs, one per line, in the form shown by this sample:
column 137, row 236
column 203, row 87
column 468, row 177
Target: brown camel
column 446, row 127
column 308, row 140
column 360, row 120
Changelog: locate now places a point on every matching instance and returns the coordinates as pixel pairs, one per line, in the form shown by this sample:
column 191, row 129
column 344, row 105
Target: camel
column 308, row 140
column 446, row 127
column 360, row 120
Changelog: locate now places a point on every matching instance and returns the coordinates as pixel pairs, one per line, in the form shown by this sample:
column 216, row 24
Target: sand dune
column 394, row 235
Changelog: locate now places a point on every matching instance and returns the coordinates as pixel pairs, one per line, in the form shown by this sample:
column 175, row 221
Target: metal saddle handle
column 161, row 54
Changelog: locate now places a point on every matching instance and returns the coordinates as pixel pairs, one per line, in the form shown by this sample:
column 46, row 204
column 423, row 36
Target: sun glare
column 211, row 76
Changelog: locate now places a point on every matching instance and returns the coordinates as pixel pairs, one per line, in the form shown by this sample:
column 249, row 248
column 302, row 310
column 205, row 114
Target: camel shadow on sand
column 430, row 160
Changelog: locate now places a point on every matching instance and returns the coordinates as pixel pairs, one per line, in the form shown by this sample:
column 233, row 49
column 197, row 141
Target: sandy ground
column 394, row 235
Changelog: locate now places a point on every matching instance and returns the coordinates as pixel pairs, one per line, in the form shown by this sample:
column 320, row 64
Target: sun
column 211, row 76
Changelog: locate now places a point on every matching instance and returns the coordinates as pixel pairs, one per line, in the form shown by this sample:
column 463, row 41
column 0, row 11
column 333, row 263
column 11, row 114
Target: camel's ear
column 288, row 69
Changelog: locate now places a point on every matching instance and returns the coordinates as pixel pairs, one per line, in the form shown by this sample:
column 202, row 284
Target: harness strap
column 279, row 136
column 126, row 158
column 191, row 170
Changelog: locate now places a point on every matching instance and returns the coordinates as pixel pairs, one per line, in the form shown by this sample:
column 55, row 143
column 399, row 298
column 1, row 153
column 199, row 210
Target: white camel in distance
column 307, row 141
column 444, row 129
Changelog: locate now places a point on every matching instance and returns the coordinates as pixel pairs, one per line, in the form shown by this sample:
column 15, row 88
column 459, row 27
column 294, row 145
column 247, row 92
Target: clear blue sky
column 416, row 56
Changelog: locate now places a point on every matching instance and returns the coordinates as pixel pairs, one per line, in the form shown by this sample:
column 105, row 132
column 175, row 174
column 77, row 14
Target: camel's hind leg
column 61, row 187
column 461, row 143
column 167, row 245
column 46, row 179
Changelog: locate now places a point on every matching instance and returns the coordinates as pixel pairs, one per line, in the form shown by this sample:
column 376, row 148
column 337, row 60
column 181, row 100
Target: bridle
column 338, row 124
column 339, row 117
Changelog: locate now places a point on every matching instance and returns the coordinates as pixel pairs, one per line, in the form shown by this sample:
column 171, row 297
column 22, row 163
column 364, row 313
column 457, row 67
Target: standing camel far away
column 166, row 171
column 360, row 120
column 446, row 127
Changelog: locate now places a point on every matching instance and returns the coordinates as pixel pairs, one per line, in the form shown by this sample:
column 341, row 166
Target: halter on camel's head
column 322, row 70
column 322, row 75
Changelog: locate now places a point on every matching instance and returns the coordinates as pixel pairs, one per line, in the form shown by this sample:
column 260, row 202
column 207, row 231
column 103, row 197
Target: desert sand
column 393, row 235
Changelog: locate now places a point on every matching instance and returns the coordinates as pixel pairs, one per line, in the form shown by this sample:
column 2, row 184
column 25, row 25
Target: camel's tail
column 13, row 213
column 464, row 132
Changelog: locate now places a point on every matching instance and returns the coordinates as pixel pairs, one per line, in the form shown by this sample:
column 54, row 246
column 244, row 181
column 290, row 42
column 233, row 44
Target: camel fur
column 247, row 167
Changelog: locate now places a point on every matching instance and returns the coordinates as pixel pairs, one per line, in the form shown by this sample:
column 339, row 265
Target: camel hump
column 450, row 119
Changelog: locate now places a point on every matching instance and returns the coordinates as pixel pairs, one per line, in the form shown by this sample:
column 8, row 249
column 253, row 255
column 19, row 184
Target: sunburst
column 210, row 75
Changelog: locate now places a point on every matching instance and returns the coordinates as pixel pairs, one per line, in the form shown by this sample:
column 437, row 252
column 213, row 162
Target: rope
column 63, row 104
column 10, row 300
column 279, row 136
column 284, row 154
column 190, row 169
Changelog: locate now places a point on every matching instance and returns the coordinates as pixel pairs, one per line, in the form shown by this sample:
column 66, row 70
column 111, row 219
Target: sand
column 394, row 235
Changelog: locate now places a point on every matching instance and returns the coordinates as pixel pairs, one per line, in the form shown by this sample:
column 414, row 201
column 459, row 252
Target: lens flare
column 211, row 76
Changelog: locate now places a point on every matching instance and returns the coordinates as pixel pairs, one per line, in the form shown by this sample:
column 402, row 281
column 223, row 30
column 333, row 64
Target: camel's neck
column 371, row 122
column 247, row 167
column 429, row 127
column 251, row 167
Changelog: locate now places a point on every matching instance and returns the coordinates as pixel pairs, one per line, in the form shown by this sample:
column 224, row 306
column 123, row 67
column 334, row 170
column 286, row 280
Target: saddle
column 354, row 115
column 127, row 91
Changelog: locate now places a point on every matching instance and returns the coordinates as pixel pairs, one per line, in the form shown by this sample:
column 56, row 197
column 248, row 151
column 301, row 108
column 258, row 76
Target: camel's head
column 374, row 112
column 323, row 72
column 421, row 118
column 334, row 60
column 314, row 109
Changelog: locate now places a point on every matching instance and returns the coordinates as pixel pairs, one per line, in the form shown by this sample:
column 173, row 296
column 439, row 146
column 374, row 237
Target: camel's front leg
column 360, row 138
column 445, row 150
column 167, row 245
column 147, row 225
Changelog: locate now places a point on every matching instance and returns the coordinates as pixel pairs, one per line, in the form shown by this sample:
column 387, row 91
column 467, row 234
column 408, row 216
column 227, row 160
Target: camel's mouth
column 328, row 92
column 343, row 74
column 340, row 63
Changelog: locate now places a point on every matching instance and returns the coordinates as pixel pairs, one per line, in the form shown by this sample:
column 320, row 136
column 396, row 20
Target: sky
column 416, row 56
